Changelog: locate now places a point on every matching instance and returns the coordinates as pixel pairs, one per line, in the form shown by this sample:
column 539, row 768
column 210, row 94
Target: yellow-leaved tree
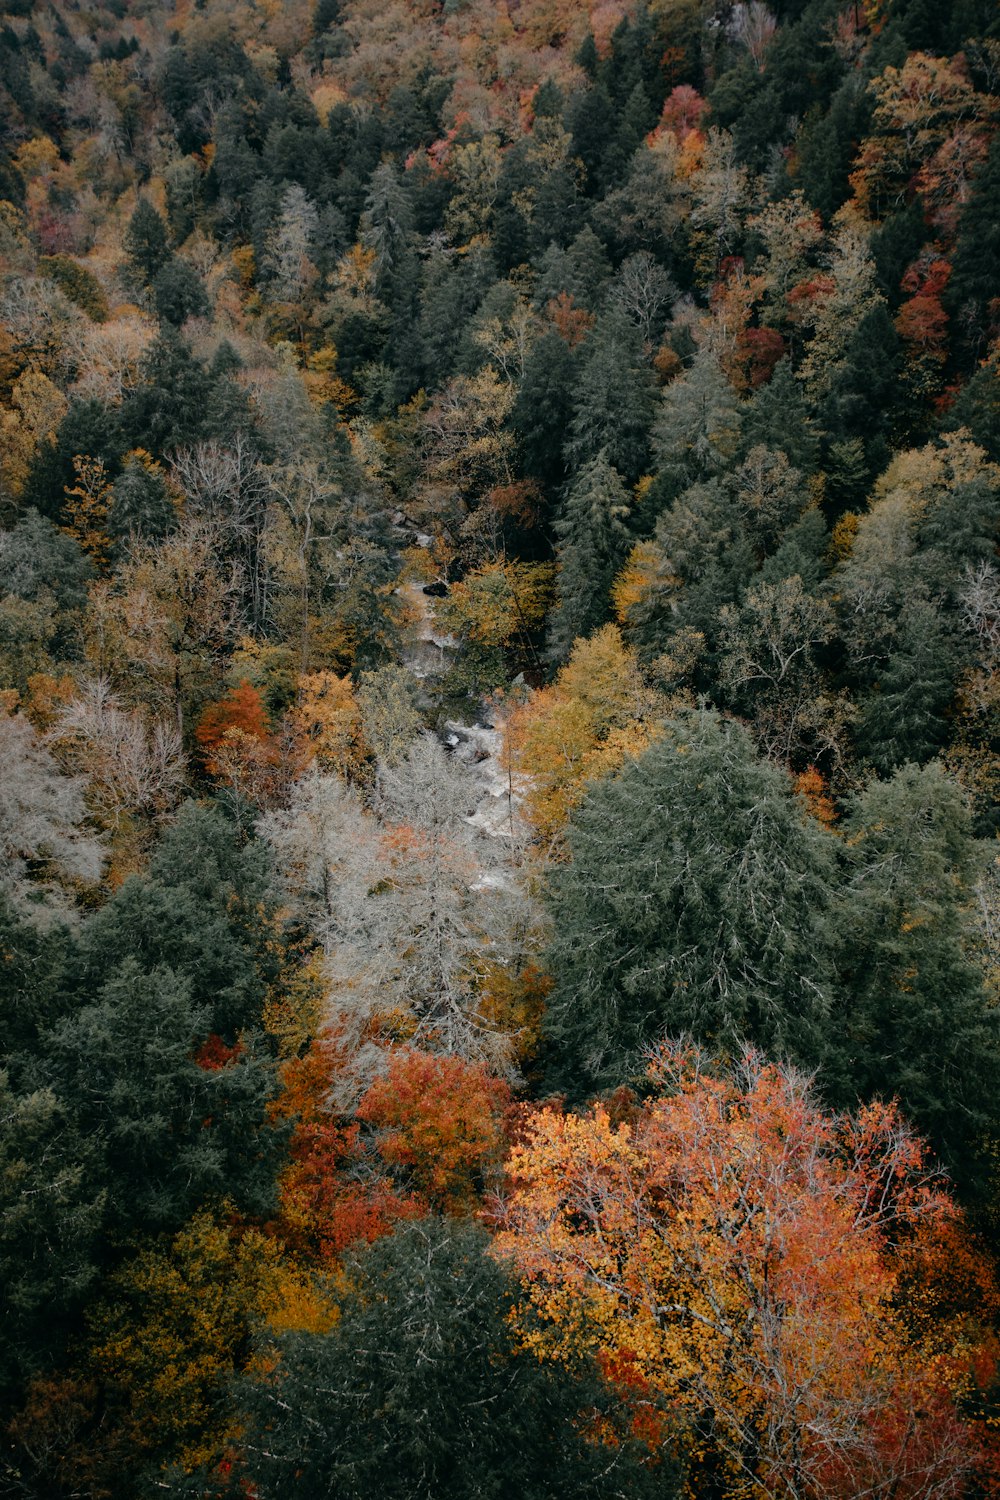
column 597, row 712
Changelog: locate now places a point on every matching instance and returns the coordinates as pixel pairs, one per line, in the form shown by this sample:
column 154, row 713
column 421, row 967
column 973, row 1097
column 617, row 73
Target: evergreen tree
column 698, row 899
column 52, row 1212
column 697, row 428
column 778, row 418
column 543, row 409
column 614, row 399
column 204, row 911
column 168, row 1132
column 970, row 296
column 140, row 502
column 146, row 243
column 593, row 540
column 179, row 293
column 915, row 1022
column 419, row 1392
column 903, row 720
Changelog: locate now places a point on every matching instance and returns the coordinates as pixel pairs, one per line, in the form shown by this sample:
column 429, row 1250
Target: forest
column 499, row 749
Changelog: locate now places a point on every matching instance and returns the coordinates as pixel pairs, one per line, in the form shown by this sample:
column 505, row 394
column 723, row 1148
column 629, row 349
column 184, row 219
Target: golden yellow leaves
column 596, row 714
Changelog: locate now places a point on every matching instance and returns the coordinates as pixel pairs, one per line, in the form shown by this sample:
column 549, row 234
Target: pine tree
column 614, row 399
column 420, row 1392
column 146, row 242
column 593, row 540
column 697, row 899
column 915, row 1022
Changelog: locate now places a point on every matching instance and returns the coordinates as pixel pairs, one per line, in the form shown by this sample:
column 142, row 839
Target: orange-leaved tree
column 238, row 748
column 241, row 709
column 730, row 1254
column 441, row 1119
column 329, row 1196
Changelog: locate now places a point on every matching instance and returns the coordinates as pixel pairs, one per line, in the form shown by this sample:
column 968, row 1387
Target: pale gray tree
column 42, row 813
column 290, row 242
column 132, row 763
column 414, row 904
column 228, row 486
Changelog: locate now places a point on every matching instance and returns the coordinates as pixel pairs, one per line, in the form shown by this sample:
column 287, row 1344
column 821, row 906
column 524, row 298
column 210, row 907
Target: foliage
column 441, row 1120
column 729, row 1247
column 414, row 1359
column 697, row 898
column 498, row 514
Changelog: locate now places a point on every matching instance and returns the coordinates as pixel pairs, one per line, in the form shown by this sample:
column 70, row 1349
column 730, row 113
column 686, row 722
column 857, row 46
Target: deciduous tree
column 729, row 1247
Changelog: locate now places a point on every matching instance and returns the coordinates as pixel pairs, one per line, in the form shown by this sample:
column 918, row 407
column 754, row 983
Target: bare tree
column 290, row 241
column 644, row 292
column 228, row 485
column 752, row 25
column 305, row 494
column 414, row 903
column 41, row 817
column 133, row 764
column 980, row 604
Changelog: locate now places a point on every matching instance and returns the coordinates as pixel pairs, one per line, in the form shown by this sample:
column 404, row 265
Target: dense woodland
column 499, row 728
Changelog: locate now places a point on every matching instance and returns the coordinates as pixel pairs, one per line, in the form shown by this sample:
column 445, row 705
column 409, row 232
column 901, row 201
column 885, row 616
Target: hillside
column 499, row 729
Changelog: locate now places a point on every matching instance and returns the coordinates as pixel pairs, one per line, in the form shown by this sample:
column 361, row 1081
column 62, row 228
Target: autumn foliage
column 441, row 1120
column 735, row 1255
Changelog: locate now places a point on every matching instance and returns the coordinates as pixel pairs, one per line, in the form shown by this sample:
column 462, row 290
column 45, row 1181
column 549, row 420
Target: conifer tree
column 593, row 540
column 146, row 242
column 697, row 899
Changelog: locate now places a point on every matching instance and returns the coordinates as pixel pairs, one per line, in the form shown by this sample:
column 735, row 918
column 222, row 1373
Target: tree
column 227, row 487
column 204, row 910
column 41, row 818
column 389, row 713
column 701, row 558
column 242, row 709
column 973, row 287
column 697, row 898
column 440, row 1121
column 43, row 577
column 916, row 1022
column 179, row 293
column 495, row 609
column 721, row 198
column 160, row 631
column 698, row 426
column 132, row 766
column 918, row 108
column 86, row 509
column 544, row 407
column 328, row 716
column 440, row 904
column 290, row 243
column 645, row 292
column 37, row 407
column 386, row 223
column 729, row 1248
column 614, row 402
column 768, row 668
column 146, row 243
column 433, row 1399
column 142, row 504
column 592, row 542
column 172, row 1332
column 596, row 714
column 933, row 514
column 51, row 1215
column 169, row 1134
column 903, row 719
column 316, row 841
column 839, row 301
